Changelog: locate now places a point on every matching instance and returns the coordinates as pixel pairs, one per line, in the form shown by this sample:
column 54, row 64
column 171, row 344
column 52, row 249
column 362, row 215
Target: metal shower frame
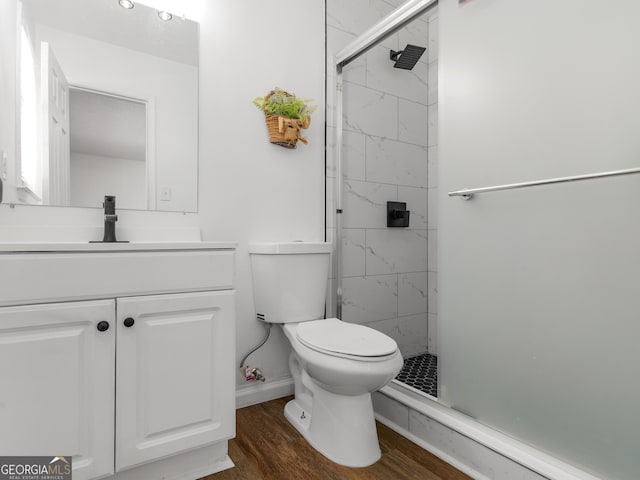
column 396, row 20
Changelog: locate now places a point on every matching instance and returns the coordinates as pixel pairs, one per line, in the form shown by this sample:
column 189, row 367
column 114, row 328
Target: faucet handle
column 109, row 204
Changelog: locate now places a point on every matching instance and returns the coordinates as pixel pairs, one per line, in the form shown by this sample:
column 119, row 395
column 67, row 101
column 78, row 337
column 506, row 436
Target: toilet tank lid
column 292, row 248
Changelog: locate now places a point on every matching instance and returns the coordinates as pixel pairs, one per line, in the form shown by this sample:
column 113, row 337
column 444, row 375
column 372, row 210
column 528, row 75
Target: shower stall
column 385, row 155
column 516, row 312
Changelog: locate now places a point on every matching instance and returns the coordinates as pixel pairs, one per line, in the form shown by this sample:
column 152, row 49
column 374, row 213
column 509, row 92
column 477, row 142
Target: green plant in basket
column 285, row 115
column 285, row 104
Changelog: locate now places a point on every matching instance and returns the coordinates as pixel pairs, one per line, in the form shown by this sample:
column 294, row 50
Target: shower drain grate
column 421, row 373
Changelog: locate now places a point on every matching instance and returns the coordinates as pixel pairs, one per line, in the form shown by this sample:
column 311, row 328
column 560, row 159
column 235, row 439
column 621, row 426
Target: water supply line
column 250, row 373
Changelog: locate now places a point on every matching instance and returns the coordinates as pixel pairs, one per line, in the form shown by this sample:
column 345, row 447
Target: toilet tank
column 289, row 280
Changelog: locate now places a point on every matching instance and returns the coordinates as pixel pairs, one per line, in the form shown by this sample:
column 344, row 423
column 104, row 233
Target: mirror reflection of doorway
column 55, row 128
column 108, row 149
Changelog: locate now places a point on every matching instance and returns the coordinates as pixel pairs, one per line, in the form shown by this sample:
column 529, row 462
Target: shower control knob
column 103, row 326
column 128, row 322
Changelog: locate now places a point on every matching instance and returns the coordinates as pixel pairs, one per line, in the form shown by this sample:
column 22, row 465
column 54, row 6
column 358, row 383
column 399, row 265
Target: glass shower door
column 389, row 154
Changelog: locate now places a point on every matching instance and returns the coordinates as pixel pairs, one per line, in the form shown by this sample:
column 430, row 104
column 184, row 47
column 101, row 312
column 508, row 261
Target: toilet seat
column 341, row 339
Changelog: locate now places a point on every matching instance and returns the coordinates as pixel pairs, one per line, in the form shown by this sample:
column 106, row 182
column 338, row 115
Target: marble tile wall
column 389, row 154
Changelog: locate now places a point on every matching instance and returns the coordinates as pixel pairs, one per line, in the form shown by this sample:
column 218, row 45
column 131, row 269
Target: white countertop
column 112, row 247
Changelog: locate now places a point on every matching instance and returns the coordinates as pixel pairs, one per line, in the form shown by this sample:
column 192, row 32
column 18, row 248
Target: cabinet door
column 175, row 382
column 57, row 383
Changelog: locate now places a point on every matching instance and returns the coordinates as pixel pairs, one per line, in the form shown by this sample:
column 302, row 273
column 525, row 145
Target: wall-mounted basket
column 283, row 130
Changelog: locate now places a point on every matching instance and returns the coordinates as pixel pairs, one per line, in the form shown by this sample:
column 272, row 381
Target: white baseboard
column 468, row 445
column 259, row 392
column 189, row 465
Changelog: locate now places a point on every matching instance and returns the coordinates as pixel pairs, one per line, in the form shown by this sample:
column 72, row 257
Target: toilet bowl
column 335, row 365
column 332, row 406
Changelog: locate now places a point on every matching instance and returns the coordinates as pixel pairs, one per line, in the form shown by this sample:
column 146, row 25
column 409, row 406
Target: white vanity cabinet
column 169, row 376
column 57, row 375
column 132, row 386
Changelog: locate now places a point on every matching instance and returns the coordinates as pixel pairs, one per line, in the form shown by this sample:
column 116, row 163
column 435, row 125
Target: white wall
column 539, row 287
column 171, row 86
column 122, row 177
column 251, row 190
column 29, row 223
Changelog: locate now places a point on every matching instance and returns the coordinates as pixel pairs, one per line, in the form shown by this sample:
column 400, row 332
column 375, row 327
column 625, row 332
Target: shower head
column 408, row 57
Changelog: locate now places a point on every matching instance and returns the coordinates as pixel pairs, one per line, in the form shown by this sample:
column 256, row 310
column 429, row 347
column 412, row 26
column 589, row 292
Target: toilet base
column 340, row 427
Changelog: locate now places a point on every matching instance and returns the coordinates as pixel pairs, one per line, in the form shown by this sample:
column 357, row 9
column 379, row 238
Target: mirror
column 109, row 106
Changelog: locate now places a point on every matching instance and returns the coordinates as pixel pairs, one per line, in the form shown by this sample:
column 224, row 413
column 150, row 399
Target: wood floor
column 267, row 447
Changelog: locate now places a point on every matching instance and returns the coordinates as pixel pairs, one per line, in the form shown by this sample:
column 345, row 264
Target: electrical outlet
column 165, row 194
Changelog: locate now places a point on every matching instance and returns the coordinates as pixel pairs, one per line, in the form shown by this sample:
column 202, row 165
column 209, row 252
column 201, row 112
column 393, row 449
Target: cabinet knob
column 103, row 326
column 128, row 322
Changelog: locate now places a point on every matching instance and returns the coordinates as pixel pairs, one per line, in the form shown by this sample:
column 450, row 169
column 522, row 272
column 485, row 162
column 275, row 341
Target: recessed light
column 128, row 4
column 166, row 16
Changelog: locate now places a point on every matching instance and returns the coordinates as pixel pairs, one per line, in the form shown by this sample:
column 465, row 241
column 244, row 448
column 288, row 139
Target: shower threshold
column 421, row 373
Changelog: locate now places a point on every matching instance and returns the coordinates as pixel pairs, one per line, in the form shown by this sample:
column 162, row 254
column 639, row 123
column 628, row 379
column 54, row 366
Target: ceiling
column 139, row 28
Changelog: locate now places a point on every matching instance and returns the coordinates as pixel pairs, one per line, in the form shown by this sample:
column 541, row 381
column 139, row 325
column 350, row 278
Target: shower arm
column 387, row 26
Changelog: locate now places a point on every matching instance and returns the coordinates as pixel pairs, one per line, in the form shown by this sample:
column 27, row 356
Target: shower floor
column 421, row 373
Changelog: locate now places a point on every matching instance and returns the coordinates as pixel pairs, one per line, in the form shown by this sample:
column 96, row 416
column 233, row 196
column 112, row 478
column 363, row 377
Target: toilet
column 335, row 365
